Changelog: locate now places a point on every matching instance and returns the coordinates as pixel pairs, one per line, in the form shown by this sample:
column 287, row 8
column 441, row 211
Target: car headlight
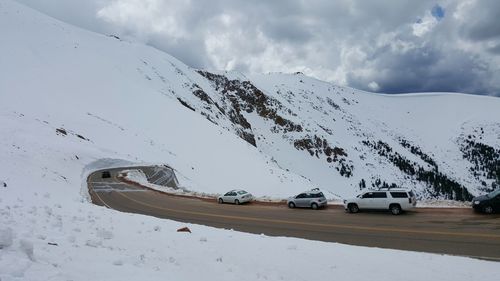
column 476, row 202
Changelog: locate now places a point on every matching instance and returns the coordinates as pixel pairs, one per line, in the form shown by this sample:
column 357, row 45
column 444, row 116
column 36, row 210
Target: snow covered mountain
column 75, row 97
column 72, row 101
column 443, row 145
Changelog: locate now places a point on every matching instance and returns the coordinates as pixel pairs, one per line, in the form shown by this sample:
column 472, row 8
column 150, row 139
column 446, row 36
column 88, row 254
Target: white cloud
column 348, row 42
column 146, row 17
column 373, row 86
column 424, row 25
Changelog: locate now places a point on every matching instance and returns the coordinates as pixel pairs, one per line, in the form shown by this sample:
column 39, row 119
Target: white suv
column 395, row 200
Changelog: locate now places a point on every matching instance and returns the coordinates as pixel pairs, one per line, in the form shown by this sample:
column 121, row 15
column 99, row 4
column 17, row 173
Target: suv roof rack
column 312, row 190
column 392, row 188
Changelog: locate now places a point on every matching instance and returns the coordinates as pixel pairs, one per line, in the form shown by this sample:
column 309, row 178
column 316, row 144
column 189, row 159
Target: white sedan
column 236, row 196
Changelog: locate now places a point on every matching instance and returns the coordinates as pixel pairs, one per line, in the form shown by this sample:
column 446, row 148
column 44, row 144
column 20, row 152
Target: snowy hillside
column 418, row 140
column 274, row 134
column 72, row 101
column 343, row 139
column 74, row 97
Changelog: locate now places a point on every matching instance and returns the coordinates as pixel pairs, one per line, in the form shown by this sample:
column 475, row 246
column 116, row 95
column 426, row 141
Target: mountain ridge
column 301, row 132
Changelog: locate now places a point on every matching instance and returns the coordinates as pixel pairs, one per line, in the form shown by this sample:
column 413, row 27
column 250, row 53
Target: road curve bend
column 435, row 230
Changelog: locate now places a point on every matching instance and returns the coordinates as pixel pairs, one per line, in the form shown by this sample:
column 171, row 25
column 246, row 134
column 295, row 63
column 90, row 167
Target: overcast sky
column 388, row 46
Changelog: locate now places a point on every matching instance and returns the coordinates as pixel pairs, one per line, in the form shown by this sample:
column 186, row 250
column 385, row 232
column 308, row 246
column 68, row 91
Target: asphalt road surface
column 434, row 230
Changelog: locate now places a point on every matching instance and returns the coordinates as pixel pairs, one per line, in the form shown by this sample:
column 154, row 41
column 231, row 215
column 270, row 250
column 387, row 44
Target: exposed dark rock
column 333, row 104
column 208, row 117
column 198, row 91
column 185, row 104
column 61, row 131
column 248, row 137
column 244, row 96
column 237, row 118
column 328, row 131
column 184, row 229
column 317, row 146
column 81, row 137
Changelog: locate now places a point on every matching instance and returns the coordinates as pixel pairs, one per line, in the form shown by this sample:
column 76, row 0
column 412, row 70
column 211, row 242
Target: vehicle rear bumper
column 409, row 205
column 477, row 207
column 246, row 200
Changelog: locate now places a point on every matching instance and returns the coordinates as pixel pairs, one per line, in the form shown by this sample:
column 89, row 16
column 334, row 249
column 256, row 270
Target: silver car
column 310, row 199
column 236, row 196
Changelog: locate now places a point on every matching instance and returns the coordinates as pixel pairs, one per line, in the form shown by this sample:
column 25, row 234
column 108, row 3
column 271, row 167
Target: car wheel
column 353, row 208
column 314, row 206
column 291, row 205
column 237, row 202
column 395, row 209
column 488, row 209
column 221, row 201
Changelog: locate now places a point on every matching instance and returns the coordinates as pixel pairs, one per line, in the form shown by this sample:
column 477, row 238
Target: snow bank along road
column 447, row 231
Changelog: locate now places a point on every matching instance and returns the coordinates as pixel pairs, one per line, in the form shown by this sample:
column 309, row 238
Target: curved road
column 447, row 231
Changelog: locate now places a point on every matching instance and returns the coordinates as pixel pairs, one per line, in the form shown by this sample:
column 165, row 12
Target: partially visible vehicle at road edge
column 314, row 199
column 106, row 175
column 236, row 196
column 394, row 200
column 488, row 203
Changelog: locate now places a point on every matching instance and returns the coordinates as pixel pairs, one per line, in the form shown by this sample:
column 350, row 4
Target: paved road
column 447, row 231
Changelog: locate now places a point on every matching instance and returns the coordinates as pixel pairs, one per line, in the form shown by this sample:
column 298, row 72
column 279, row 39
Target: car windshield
column 494, row 193
column 241, row 192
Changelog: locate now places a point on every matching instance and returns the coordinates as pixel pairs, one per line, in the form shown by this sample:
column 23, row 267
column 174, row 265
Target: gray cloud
column 426, row 69
column 483, row 21
column 385, row 46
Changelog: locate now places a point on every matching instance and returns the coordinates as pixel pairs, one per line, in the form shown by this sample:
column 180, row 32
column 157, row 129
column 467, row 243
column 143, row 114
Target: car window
column 399, row 195
column 228, row 194
column 302, row 195
column 379, row 195
column 319, row 195
column 494, row 193
column 368, row 195
column 241, row 192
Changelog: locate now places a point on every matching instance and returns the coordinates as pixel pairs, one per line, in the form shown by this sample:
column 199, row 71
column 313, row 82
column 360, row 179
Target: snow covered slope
column 274, row 134
column 132, row 102
column 422, row 141
column 73, row 97
column 72, row 101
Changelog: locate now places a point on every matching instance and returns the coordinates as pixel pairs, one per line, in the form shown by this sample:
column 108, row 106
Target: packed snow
column 72, row 102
